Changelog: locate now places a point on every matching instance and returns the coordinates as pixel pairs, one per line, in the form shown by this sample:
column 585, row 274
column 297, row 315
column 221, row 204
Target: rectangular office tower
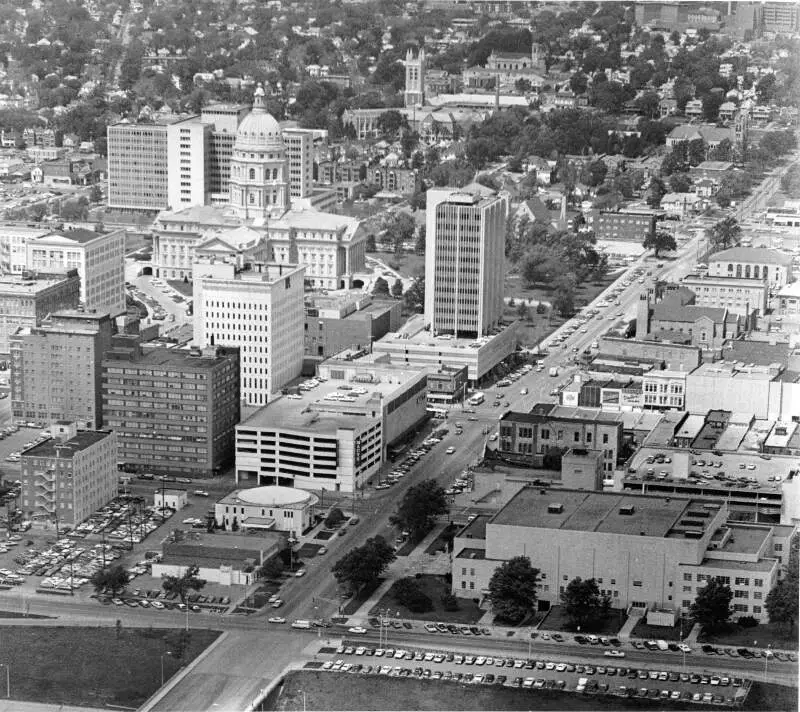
column 464, row 260
column 299, row 151
column 137, row 166
column 258, row 309
column 173, row 411
column 55, row 369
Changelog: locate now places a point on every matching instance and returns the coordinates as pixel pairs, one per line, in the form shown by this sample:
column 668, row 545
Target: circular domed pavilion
column 271, row 508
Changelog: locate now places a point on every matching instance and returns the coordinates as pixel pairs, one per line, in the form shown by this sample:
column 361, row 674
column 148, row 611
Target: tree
column 724, row 234
column 370, row 245
column 335, row 518
column 397, row 288
column 380, row 288
column 512, row 590
column 522, row 312
column 696, row 152
column 583, row 603
column 96, row 193
column 272, row 568
column 540, row 265
column 648, row 104
column 414, row 298
column 407, row 593
column 782, row 600
column 712, row 605
column 655, row 192
column 680, row 183
column 400, row 229
column 364, row 564
column 419, row 245
column 391, row 123
column 564, row 295
column 181, row 585
column 658, row 241
column 419, row 508
column 711, row 104
column 111, row 578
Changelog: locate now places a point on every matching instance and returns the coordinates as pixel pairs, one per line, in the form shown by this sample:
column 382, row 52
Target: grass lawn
column 309, row 689
column 184, row 288
column 409, row 264
column 557, row 620
column 433, row 586
column 90, row 667
column 440, row 542
column 354, row 603
column 774, row 634
column 658, row 632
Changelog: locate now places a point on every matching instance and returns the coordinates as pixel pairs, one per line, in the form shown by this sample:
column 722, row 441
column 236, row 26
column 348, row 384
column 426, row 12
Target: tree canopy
column 112, row 578
column 512, row 590
column 181, row 585
column 725, row 233
column 583, row 603
column 712, row 605
column 782, row 600
column 659, row 241
column 364, row 564
column 419, row 508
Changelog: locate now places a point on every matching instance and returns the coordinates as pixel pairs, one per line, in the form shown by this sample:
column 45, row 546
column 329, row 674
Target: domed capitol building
column 265, row 213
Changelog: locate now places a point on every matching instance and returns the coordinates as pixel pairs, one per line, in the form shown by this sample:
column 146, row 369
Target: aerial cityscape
column 449, row 345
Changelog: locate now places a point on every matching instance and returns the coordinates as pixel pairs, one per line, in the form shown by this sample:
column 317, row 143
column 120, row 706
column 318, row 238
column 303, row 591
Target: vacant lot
column 433, row 587
column 91, row 666
column 325, row 691
column 774, row 634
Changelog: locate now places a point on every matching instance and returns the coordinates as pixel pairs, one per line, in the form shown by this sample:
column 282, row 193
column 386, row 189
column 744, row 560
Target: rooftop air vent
column 626, row 509
column 555, row 508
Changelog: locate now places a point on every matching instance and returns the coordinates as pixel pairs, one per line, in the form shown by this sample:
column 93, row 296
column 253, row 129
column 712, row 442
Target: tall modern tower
column 464, row 260
column 415, row 79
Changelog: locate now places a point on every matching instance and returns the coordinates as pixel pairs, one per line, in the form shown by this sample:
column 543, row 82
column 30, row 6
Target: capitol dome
column 259, row 131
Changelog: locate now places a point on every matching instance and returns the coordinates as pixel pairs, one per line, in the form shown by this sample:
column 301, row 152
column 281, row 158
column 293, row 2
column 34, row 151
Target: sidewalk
column 627, row 628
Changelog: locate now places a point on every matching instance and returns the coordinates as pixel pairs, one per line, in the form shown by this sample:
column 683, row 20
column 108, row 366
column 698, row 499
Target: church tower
column 259, row 181
column 741, row 133
column 415, row 79
column 643, row 316
column 537, row 57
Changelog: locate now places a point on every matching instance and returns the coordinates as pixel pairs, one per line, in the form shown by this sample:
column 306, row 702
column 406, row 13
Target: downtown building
column 56, row 369
column 173, row 411
column 67, row 478
column 259, row 310
column 645, row 552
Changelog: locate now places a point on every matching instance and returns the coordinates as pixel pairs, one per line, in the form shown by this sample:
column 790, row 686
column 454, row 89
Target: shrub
column 449, row 601
column 335, row 518
column 747, row 622
column 408, row 593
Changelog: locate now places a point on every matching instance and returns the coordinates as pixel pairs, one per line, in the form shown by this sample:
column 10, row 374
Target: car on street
column 276, row 619
column 201, row 493
column 357, row 630
column 614, row 653
column 277, row 603
column 300, row 573
column 450, row 450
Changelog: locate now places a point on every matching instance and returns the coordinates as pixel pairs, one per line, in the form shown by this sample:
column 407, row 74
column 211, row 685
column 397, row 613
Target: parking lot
column 11, row 445
column 527, row 673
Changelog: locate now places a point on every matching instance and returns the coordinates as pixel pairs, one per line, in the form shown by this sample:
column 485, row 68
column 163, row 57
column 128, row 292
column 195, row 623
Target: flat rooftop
column 17, row 285
column 414, row 332
column 179, row 359
column 327, row 407
column 745, row 540
column 607, row 512
column 66, row 449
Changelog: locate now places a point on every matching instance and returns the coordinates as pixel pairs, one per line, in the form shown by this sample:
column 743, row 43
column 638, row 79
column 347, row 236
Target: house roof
column 537, row 210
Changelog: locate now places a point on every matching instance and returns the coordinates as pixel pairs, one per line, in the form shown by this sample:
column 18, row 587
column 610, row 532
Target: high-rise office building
column 299, row 151
column 56, row 369
column 188, row 152
column 173, row 411
column 137, row 166
column 464, row 260
column 98, row 257
column 259, row 310
column 224, row 120
column 65, row 479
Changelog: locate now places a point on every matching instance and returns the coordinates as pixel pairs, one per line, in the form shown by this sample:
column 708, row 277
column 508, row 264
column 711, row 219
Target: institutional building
column 67, row 478
column 188, row 152
column 259, row 310
column 271, row 508
column 26, row 299
column 333, row 434
column 464, row 261
column 747, row 298
column 173, row 411
column 300, row 154
column 55, row 369
column 629, row 225
column 99, row 259
column 645, row 552
column 224, row 120
column 138, row 167
column 756, row 263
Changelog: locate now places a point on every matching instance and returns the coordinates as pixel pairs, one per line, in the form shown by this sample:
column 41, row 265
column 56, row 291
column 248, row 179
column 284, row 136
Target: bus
column 476, row 399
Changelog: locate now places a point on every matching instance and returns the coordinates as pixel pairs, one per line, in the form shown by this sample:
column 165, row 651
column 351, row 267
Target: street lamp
column 163, row 655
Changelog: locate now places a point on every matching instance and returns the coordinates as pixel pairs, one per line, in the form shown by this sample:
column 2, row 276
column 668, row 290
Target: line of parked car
column 405, row 466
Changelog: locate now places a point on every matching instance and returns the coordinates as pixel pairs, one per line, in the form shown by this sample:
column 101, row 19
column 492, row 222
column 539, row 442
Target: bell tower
column 415, row 79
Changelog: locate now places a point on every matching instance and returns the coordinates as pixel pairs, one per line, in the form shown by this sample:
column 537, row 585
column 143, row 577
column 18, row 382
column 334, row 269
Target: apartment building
column 464, row 260
column 259, row 310
column 26, row 299
column 174, row 411
column 65, row 479
column 138, row 168
column 631, row 225
column 528, row 438
column 56, row 369
column 99, row 259
column 14, row 241
column 188, row 152
column 644, row 551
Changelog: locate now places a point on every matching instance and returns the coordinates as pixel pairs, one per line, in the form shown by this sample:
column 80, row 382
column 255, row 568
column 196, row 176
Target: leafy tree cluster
column 419, row 508
column 512, row 590
column 113, row 579
column 583, row 603
column 725, row 234
column 408, row 593
column 364, row 564
column 712, row 605
column 181, row 585
column 782, row 600
column 659, row 241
